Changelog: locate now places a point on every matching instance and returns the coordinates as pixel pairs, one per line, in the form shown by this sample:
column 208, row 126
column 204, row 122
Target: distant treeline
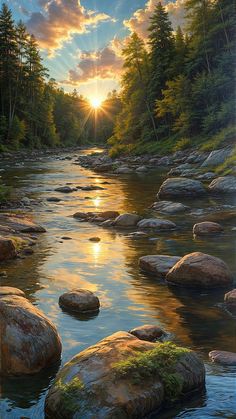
column 179, row 88
column 35, row 113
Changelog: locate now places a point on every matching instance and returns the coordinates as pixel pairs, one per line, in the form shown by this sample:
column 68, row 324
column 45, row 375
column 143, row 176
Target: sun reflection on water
column 97, row 201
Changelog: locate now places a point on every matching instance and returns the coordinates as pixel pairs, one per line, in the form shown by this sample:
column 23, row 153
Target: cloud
column 140, row 20
column 103, row 64
column 59, row 20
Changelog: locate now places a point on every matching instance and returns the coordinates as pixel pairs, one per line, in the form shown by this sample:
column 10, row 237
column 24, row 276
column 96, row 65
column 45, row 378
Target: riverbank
column 65, row 257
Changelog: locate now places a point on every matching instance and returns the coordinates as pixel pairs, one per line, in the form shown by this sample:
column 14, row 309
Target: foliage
column 161, row 362
column 70, row 392
column 4, row 193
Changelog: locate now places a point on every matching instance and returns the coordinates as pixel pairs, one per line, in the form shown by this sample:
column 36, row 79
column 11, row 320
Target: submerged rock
column 79, row 300
column 200, row 270
column 168, row 207
column 29, row 341
column 53, row 199
column 175, row 187
column 65, row 189
column 123, row 377
column 158, row 264
column 156, row 224
column 148, row 332
column 223, row 357
column 207, row 228
column 21, row 223
column 7, row 249
column 127, row 220
column 230, row 300
column 223, row 184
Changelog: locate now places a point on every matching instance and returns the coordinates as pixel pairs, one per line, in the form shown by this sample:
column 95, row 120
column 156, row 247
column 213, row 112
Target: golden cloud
column 59, row 20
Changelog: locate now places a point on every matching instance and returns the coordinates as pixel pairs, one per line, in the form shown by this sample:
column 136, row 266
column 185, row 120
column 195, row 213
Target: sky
column 81, row 40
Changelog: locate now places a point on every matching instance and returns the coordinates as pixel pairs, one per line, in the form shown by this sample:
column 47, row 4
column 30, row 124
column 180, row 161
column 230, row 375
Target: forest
column 177, row 90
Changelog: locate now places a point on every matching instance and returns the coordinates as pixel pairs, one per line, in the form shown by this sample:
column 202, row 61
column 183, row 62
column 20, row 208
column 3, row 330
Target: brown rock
column 223, row 357
column 230, row 300
column 20, row 223
column 207, row 228
column 11, row 291
column 148, row 332
column 158, row 264
column 200, row 270
column 126, row 220
column 7, row 249
column 29, row 341
column 80, row 301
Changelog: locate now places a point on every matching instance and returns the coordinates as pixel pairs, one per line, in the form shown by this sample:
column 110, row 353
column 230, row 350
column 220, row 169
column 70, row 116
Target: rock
column 137, row 235
column 95, row 239
column 158, row 264
column 206, row 176
column 20, row 223
column 91, row 188
column 29, row 341
column 123, row 377
column 230, row 300
column 148, row 332
column 7, row 249
column 11, row 291
column 168, row 207
column 142, row 169
column 107, row 223
column 3, row 274
column 65, row 189
column 102, row 168
column 156, row 223
column 216, row 157
column 164, row 161
column 175, row 187
column 223, row 357
column 123, row 170
column 27, row 251
column 207, row 228
column 66, row 238
column 25, row 200
column 126, row 220
column 223, row 184
column 53, row 199
column 108, row 215
column 200, row 270
column 79, row 300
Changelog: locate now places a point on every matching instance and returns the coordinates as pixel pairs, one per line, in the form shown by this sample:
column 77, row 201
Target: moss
column 228, row 167
column 71, row 393
column 18, row 242
column 161, row 362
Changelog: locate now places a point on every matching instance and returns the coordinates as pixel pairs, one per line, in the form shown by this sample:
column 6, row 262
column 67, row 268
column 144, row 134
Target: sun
column 95, row 102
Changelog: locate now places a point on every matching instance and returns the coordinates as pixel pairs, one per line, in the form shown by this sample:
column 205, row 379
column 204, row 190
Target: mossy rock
column 123, row 377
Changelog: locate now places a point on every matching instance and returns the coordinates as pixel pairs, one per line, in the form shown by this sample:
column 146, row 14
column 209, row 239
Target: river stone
column 148, row 332
column 180, row 186
column 223, row 357
column 99, row 390
column 223, row 184
column 168, row 207
column 7, row 249
column 20, row 223
column 158, row 264
column 79, row 300
column 123, row 170
column 156, row 223
column 127, row 220
column 29, row 341
column 108, row 215
column 102, row 168
column 230, row 300
column 200, row 270
column 216, row 157
column 142, row 169
column 11, row 291
column 53, row 199
column 206, row 228
column 65, row 189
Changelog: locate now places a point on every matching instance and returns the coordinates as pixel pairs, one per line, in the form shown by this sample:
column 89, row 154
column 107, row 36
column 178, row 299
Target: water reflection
column 110, row 268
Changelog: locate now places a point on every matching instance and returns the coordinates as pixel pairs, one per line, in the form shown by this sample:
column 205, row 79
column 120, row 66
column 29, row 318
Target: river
column 128, row 297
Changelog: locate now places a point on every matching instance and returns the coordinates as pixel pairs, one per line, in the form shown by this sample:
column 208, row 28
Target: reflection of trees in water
column 192, row 315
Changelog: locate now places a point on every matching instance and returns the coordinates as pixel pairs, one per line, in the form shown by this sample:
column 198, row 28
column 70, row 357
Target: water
column 128, row 297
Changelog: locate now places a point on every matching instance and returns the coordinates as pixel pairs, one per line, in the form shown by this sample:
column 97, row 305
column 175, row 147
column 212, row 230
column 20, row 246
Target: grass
column 71, row 393
column 161, row 362
column 224, row 137
column 4, row 193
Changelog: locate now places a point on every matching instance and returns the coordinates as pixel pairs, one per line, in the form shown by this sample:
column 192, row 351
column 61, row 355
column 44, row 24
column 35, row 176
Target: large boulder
column 123, row 377
column 223, row 357
column 29, row 341
column 223, row 184
column 127, row 220
column 20, row 223
column 200, row 270
column 230, row 300
column 159, row 265
column 216, row 157
column 79, row 300
column 168, row 207
column 207, row 228
column 179, row 187
column 156, row 224
column 7, row 249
